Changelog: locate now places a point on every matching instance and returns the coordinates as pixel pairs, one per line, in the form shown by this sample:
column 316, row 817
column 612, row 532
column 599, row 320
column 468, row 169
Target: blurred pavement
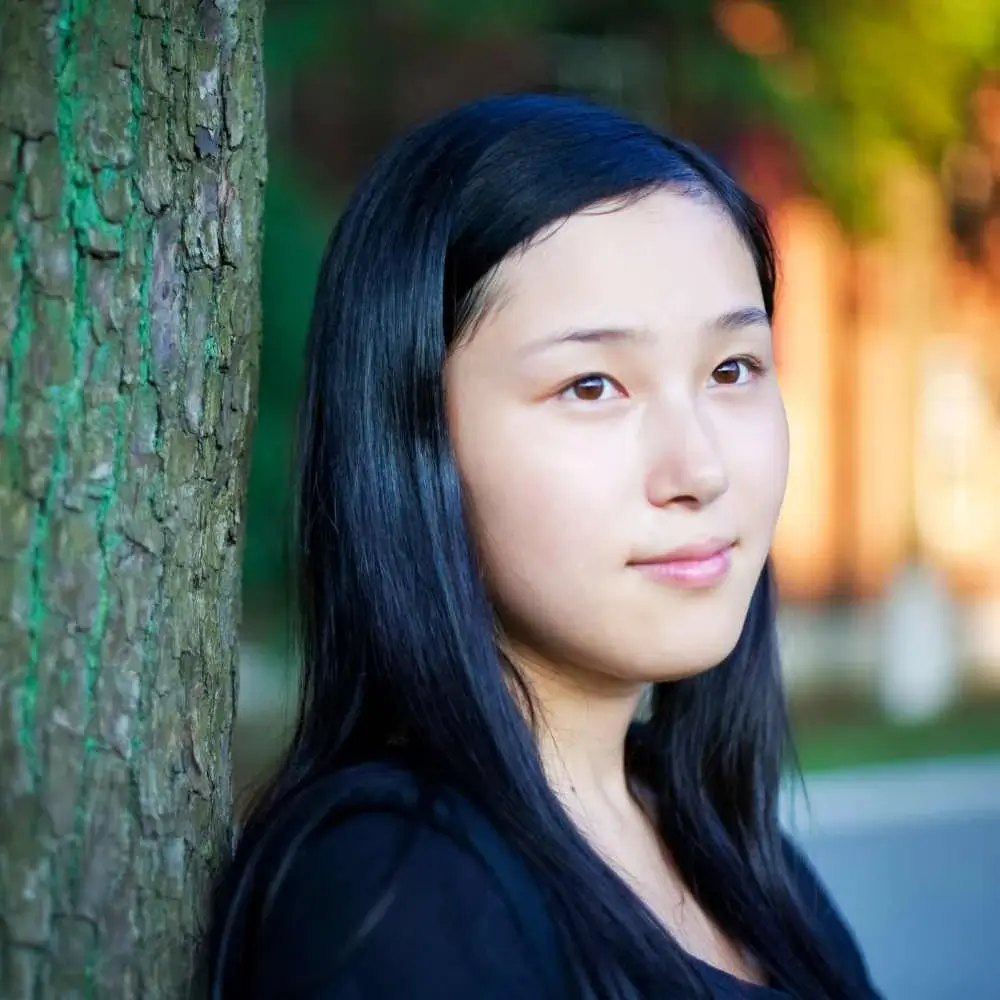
column 911, row 854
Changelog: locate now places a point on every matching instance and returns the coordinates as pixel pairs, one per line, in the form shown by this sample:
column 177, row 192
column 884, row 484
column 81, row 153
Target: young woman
column 543, row 452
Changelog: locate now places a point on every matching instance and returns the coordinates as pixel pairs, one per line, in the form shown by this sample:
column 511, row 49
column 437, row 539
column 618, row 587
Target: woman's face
column 622, row 441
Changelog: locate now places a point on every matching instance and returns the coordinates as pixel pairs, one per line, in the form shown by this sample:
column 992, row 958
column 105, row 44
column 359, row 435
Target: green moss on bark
column 131, row 169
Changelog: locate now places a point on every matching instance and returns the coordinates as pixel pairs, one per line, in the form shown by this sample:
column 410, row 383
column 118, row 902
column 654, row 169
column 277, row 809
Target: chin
column 655, row 663
column 674, row 657
column 657, row 644
column 675, row 668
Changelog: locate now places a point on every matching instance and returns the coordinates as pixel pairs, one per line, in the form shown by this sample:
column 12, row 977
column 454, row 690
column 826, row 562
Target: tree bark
column 131, row 174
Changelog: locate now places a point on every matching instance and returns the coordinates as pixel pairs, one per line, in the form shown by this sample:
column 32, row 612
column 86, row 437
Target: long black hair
column 397, row 635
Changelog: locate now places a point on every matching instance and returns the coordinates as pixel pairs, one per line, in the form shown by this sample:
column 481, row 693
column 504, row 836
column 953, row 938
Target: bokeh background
column 871, row 134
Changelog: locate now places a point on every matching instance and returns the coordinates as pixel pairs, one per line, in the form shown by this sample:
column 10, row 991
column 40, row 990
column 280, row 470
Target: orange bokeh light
column 752, row 26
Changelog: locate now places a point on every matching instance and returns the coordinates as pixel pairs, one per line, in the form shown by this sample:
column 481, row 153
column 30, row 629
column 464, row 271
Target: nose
column 686, row 464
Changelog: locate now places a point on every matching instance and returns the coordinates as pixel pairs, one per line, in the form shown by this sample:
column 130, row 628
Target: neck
column 582, row 722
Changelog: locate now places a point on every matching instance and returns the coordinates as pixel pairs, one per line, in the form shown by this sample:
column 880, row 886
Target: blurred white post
column 919, row 674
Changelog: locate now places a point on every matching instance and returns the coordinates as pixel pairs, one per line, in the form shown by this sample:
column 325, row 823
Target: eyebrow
column 738, row 319
column 728, row 322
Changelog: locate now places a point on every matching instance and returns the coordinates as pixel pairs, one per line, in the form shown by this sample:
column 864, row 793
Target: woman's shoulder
column 366, row 807
column 358, row 825
column 377, row 888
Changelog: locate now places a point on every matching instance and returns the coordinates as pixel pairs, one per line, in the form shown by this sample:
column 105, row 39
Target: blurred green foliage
column 969, row 729
column 295, row 230
column 862, row 84
column 872, row 83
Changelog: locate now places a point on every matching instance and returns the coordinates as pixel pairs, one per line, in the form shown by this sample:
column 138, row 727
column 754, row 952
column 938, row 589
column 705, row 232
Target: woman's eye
column 737, row 371
column 591, row 389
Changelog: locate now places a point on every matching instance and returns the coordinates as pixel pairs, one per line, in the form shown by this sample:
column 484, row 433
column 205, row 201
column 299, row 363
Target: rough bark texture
column 131, row 173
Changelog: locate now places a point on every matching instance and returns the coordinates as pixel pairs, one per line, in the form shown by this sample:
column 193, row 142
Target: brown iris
column 728, row 373
column 589, row 389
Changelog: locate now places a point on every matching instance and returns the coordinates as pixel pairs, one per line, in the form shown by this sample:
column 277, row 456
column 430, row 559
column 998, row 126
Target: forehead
column 666, row 259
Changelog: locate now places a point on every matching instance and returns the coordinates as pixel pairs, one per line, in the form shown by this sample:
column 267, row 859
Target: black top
column 449, row 929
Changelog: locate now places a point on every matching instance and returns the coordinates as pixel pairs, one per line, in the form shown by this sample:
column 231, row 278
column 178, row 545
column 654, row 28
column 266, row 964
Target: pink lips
column 701, row 565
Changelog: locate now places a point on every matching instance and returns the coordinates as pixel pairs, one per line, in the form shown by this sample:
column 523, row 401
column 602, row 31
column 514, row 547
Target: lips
column 703, row 564
column 695, row 552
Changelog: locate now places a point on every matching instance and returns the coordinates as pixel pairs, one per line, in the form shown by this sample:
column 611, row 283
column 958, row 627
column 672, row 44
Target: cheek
column 757, row 459
column 543, row 508
column 539, row 506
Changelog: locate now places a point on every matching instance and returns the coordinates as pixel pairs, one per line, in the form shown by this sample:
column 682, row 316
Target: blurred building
column 890, row 353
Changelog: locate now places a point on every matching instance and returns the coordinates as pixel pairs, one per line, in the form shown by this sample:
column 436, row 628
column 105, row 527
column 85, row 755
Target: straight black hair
column 397, row 633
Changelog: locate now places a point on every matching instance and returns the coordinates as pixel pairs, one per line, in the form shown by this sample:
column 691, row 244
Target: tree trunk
column 131, row 173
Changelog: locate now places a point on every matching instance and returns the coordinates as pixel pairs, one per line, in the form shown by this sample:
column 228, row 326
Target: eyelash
column 754, row 365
